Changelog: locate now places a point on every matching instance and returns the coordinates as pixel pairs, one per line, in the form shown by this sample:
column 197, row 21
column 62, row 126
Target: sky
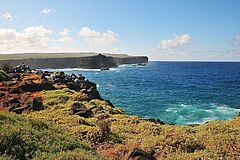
column 206, row 30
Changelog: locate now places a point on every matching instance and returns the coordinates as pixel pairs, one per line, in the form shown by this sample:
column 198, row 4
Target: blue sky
column 160, row 29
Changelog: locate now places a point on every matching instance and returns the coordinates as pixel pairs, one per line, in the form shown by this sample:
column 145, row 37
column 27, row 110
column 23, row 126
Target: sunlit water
column 175, row 92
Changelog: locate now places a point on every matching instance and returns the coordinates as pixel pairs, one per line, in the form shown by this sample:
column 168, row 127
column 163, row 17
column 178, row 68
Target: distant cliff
column 89, row 62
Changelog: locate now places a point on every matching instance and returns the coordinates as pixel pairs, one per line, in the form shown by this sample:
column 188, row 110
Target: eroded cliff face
column 131, row 60
column 91, row 62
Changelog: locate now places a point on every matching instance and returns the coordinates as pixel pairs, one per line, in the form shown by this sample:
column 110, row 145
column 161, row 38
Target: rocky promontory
column 86, row 61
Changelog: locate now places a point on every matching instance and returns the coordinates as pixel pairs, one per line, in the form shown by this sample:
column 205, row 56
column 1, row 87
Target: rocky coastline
column 72, row 103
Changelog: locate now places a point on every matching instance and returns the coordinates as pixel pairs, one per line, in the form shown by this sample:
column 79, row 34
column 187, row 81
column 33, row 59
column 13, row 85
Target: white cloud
column 99, row 38
column 47, row 11
column 65, row 39
column 34, row 38
column 178, row 41
column 65, row 32
column 31, row 39
column 65, row 36
column 6, row 16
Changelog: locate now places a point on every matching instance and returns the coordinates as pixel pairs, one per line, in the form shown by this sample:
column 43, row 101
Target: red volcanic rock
column 21, row 95
column 22, row 92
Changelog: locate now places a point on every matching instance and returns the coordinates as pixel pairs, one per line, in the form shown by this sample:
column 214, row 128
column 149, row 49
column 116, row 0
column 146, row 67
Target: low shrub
column 76, row 154
column 7, row 68
column 3, row 76
column 105, row 127
column 26, row 138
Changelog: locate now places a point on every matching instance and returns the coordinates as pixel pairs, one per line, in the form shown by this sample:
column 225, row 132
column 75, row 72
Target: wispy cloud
column 6, row 16
column 47, row 11
column 177, row 41
column 97, row 37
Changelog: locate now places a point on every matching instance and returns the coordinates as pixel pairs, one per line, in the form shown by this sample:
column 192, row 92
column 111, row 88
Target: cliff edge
column 90, row 61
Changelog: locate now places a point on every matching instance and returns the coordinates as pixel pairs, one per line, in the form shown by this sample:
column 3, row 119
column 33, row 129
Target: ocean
column 175, row 92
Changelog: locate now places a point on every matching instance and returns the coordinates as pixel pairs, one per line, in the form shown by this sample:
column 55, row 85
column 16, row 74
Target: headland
column 71, row 60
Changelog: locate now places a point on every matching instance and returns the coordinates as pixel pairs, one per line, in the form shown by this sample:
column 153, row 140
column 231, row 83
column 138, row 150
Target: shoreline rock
column 20, row 94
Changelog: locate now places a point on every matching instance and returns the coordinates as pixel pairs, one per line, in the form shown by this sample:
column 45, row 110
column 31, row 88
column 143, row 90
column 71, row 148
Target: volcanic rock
column 139, row 154
column 73, row 86
column 79, row 109
column 156, row 121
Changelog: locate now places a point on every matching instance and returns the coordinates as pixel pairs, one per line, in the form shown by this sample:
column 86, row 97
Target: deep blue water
column 175, row 92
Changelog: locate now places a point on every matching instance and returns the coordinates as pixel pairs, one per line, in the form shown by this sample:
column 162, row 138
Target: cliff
column 94, row 61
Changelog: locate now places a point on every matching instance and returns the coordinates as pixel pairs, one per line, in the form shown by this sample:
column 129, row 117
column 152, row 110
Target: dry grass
column 214, row 140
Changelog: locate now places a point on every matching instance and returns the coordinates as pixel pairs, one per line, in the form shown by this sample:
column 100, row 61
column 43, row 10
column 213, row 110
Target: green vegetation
column 111, row 132
column 58, row 110
column 115, row 134
column 27, row 138
column 3, row 76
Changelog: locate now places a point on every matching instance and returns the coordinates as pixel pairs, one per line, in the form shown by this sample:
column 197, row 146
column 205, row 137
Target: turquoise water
column 175, row 92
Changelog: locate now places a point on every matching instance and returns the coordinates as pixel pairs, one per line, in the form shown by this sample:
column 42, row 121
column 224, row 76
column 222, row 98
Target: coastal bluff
column 71, row 60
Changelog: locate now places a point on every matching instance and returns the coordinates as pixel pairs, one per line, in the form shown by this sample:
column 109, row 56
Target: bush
column 7, row 68
column 71, row 155
column 3, row 76
column 25, row 138
column 105, row 127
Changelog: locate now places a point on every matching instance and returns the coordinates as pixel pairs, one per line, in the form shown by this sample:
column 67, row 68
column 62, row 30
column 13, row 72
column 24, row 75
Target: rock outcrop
column 22, row 92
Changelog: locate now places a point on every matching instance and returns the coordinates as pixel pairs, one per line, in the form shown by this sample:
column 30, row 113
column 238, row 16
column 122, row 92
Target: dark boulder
column 20, row 110
column 156, row 121
column 2, row 94
column 47, row 85
column 36, row 87
column 81, row 110
column 34, row 104
column 37, row 104
column 73, row 86
column 15, row 91
column 93, row 93
column 85, row 113
column 139, row 154
column 13, row 106
column 13, row 100
column 30, row 87
column 77, row 107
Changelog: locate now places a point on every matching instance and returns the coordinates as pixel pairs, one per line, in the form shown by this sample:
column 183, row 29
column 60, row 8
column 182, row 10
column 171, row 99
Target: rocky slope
column 90, row 62
column 66, row 118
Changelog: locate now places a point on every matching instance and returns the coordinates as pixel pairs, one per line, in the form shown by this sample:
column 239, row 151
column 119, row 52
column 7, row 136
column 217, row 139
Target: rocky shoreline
column 73, row 103
column 19, row 93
